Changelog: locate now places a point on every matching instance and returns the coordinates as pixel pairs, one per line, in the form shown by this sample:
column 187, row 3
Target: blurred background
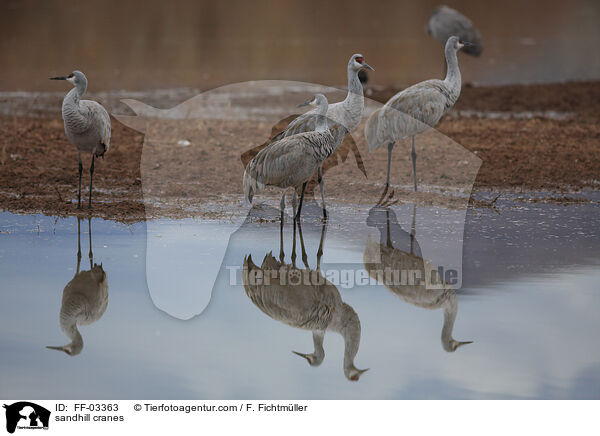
column 202, row 44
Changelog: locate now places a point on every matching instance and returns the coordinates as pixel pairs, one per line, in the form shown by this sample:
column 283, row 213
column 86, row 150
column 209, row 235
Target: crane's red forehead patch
column 70, row 75
column 360, row 59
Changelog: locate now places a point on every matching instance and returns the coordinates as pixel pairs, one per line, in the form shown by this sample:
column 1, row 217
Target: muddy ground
column 528, row 137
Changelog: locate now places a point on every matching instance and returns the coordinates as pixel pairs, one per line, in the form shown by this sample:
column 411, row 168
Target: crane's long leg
column 282, row 204
column 91, row 178
column 301, row 199
column 320, row 179
column 387, row 180
column 294, row 201
column 293, row 257
column 320, row 250
column 413, row 154
column 304, row 255
column 78, row 244
column 79, row 188
column 90, row 254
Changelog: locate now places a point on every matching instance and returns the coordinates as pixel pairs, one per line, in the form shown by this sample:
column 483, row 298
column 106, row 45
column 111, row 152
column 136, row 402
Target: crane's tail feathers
column 251, row 186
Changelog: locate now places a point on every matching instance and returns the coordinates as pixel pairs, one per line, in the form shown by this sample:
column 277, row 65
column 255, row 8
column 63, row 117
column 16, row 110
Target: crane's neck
column 347, row 324
column 75, row 119
column 450, row 306
column 69, row 327
column 319, row 353
column 321, row 124
column 355, row 95
column 453, row 78
column 355, row 99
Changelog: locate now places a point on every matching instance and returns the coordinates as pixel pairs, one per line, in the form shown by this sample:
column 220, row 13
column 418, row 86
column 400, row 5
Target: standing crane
column 292, row 160
column 415, row 109
column 87, row 125
column 84, row 299
column 343, row 117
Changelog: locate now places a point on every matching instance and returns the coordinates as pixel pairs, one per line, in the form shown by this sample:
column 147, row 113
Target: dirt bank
column 531, row 137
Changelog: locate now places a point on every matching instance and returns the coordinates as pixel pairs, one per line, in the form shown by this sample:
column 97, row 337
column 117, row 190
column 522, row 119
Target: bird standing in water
column 87, row 125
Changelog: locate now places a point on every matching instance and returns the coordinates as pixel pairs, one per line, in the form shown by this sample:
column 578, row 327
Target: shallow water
column 529, row 302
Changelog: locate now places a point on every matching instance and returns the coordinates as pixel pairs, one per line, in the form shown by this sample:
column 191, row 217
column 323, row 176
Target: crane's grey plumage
column 87, row 125
column 445, row 22
column 398, row 250
column 342, row 117
column 415, row 109
column 314, row 305
column 84, row 300
column 292, row 160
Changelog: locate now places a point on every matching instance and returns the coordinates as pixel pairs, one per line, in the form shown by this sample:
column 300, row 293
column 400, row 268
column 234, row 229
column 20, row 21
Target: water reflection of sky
column 534, row 331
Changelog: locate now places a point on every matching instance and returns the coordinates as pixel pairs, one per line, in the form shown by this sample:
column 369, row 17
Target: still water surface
column 529, row 303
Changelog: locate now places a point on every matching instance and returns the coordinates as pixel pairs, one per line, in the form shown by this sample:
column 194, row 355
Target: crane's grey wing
column 304, row 123
column 305, row 305
column 408, row 113
column 85, row 298
column 286, row 162
column 100, row 121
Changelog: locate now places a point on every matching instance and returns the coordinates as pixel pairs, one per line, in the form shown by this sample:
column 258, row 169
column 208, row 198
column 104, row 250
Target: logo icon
column 26, row 415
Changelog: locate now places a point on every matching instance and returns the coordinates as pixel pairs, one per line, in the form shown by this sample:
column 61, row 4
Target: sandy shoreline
column 528, row 137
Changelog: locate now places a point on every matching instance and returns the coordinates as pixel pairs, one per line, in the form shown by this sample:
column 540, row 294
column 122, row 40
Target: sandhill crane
column 445, row 22
column 304, row 299
column 291, row 161
column 398, row 251
column 343, row 117
column 87, row 125
column 415, row 109
column 84, row 299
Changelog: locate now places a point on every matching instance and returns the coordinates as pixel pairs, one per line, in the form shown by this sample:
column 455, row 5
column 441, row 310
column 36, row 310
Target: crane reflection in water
column 84, row 299
column 303, row 298
column 399, row 251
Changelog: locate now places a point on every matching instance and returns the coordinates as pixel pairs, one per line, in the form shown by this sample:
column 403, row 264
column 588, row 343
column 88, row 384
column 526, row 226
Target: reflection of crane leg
column 413, row 154
column 413, row 230
column 294, row 245
column 79, row 189
column 91, row 178
column 322, row 191
column 320, row 251
column 301, row 199
column 282, row 204
column 91, row 254
column 388, row 240
column 78, row 244
column 304, row 255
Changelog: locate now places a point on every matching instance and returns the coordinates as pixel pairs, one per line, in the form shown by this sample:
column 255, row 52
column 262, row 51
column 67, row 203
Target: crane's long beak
column 460, row 344
column 468, row 44
column 368, row 67
column 59, row 78
column 306, row 103
column 63, row 349
column 301, row 355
